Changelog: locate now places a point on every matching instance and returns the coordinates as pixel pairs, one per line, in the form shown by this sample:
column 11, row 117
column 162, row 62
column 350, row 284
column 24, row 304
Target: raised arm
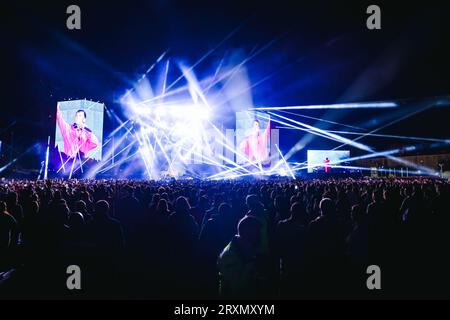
column 62, row 124
column 266, row 133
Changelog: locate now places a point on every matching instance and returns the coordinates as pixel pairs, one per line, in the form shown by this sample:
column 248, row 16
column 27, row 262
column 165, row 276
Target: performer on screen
column 327, row 165
column 255, row 144
column 77, row 137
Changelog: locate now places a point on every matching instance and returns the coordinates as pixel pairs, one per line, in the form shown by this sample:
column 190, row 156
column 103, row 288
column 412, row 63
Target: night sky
column 321, row 53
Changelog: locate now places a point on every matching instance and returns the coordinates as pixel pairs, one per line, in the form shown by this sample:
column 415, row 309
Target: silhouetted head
column 357, row 213
column 252, row 202
column 281, row 204
column 161, row 190
column 377, row 195
column 249, row 229
column 57, row 195
column 298, row 211
column 165, row 195
column 80, row 206
column 438, row 188
column 224, row 209
column 156, row 197
column 34, row 207
column 277, row 202
column 162, row 206
column 128, row 190
column 76, row 220
column 327, row 207
column 102, row 208
column 294, row 199
column 34, row 197
column 84, row 196
column 182, row 205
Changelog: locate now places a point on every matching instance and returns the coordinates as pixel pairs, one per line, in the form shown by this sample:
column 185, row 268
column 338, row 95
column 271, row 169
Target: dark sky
column 323, row 52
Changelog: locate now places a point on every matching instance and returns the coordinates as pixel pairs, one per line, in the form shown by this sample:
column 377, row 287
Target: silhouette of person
column 327, row 165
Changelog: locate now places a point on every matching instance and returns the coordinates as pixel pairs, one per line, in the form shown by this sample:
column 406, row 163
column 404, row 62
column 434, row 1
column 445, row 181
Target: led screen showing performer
column 79, row 126
column 326, row 160
column 253, row 137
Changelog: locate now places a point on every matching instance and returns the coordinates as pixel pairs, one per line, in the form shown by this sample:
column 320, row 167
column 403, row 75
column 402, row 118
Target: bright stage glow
column 175, row 124
column 176, row 129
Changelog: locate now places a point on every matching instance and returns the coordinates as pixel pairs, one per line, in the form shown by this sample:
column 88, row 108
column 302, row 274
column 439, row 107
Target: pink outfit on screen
column 327, row 165
column 255, row 146
column 75, row 139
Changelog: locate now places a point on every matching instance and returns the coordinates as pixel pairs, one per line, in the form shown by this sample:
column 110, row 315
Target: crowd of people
column 260, row 239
